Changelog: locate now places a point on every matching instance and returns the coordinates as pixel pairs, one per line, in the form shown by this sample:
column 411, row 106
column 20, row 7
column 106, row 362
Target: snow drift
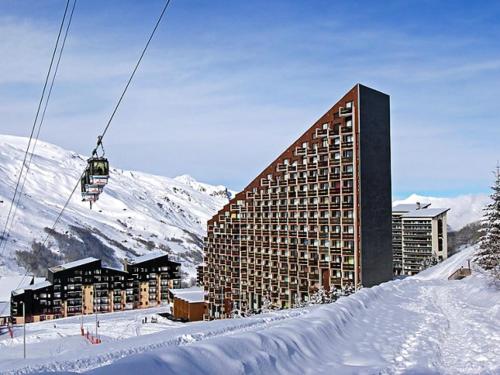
column 420, row 325
column 409, row 326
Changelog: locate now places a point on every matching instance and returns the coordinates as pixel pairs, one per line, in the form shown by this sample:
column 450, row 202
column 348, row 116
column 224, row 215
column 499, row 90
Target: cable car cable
column 99, row 141
column 62, row 210
column 42, row 118
column 3, row 237
column 100, row 137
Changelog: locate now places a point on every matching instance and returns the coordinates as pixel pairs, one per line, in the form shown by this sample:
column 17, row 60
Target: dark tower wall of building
column 375, row 187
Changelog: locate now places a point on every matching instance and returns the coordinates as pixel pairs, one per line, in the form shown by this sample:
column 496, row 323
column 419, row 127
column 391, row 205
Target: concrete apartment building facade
column 87, row 287
column 319, row 215
column 419, row 237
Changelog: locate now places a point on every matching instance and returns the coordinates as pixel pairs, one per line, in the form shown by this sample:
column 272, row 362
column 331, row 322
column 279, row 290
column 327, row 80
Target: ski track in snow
column 420, row 325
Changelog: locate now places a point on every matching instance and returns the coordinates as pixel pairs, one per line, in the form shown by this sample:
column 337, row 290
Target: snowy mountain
column 464, row 209
column 136, row 213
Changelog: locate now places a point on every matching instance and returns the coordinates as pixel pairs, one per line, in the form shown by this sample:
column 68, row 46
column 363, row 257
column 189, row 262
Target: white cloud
column 221, row 106
column 464, row 209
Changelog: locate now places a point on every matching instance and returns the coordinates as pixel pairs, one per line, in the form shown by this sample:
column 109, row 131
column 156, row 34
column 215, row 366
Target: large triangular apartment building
column 319, row 215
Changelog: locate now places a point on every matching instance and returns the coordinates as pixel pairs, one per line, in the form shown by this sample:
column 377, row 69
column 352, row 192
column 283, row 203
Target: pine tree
column 334, row 293
column 297, row 301
column 236, row 313
column 348, row 289
column 488, row 256
column 428, row 262
column 267, row 304
column 319, row 297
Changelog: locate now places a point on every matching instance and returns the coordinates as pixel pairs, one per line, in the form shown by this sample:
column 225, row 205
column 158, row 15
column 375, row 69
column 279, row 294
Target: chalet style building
column 318, row 216
column 87, row 287
column 419, row 237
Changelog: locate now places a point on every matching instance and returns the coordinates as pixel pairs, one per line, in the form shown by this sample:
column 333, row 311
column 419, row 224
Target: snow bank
column 397, row 327
column 416, row 325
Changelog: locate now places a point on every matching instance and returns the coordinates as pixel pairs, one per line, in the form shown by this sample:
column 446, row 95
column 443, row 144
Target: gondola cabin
column 90, row 192
column 98, row 168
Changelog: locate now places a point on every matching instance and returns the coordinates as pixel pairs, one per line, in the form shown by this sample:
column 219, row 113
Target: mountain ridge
column 136, row 213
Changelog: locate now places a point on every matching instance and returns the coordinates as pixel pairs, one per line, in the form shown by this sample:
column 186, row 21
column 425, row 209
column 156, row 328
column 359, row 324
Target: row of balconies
column 289, row 181
column 295, row 241
column 263, row 247
column 287, row 186
column 293, row 208
column 283, row 220
column 335, row 173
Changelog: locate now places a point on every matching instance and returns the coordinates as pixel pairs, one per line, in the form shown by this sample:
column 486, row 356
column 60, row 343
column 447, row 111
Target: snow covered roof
column 10, row 283
column 40, row 285
column 191, row 295
column 113, row 269
column 405, row 207
column 428, row 212
column 74, row 264
column 36, row 286
column 147, row 257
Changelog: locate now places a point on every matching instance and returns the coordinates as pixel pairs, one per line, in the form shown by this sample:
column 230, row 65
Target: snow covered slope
column 465, row 209
column 137, row 212
column 419, row 325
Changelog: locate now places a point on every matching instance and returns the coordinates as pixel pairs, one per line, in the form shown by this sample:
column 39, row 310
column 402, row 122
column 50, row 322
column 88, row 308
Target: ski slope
column 136, row 213
column 424, row 324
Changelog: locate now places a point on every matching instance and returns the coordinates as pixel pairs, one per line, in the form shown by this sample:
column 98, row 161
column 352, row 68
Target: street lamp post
column 24, row 330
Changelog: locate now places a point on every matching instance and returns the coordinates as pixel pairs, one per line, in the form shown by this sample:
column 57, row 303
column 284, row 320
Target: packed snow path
column 423, row 324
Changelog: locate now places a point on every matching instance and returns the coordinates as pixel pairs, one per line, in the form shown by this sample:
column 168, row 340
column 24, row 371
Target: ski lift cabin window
column 99, row 171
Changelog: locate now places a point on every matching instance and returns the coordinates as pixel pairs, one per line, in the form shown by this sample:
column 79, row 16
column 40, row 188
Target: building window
column 348, row 138
column 347, row 154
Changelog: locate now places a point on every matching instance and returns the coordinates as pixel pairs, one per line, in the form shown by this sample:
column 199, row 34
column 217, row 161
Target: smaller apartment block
column 419, row 237
column 87, row 287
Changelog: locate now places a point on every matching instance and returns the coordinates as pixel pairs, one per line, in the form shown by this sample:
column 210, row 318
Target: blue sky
column 227, row 85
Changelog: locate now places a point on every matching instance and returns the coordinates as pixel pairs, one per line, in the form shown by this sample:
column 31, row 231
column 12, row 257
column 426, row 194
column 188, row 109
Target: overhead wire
column 4, row 233
column 167, row 3
column 40, row 124
column 100, row 137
